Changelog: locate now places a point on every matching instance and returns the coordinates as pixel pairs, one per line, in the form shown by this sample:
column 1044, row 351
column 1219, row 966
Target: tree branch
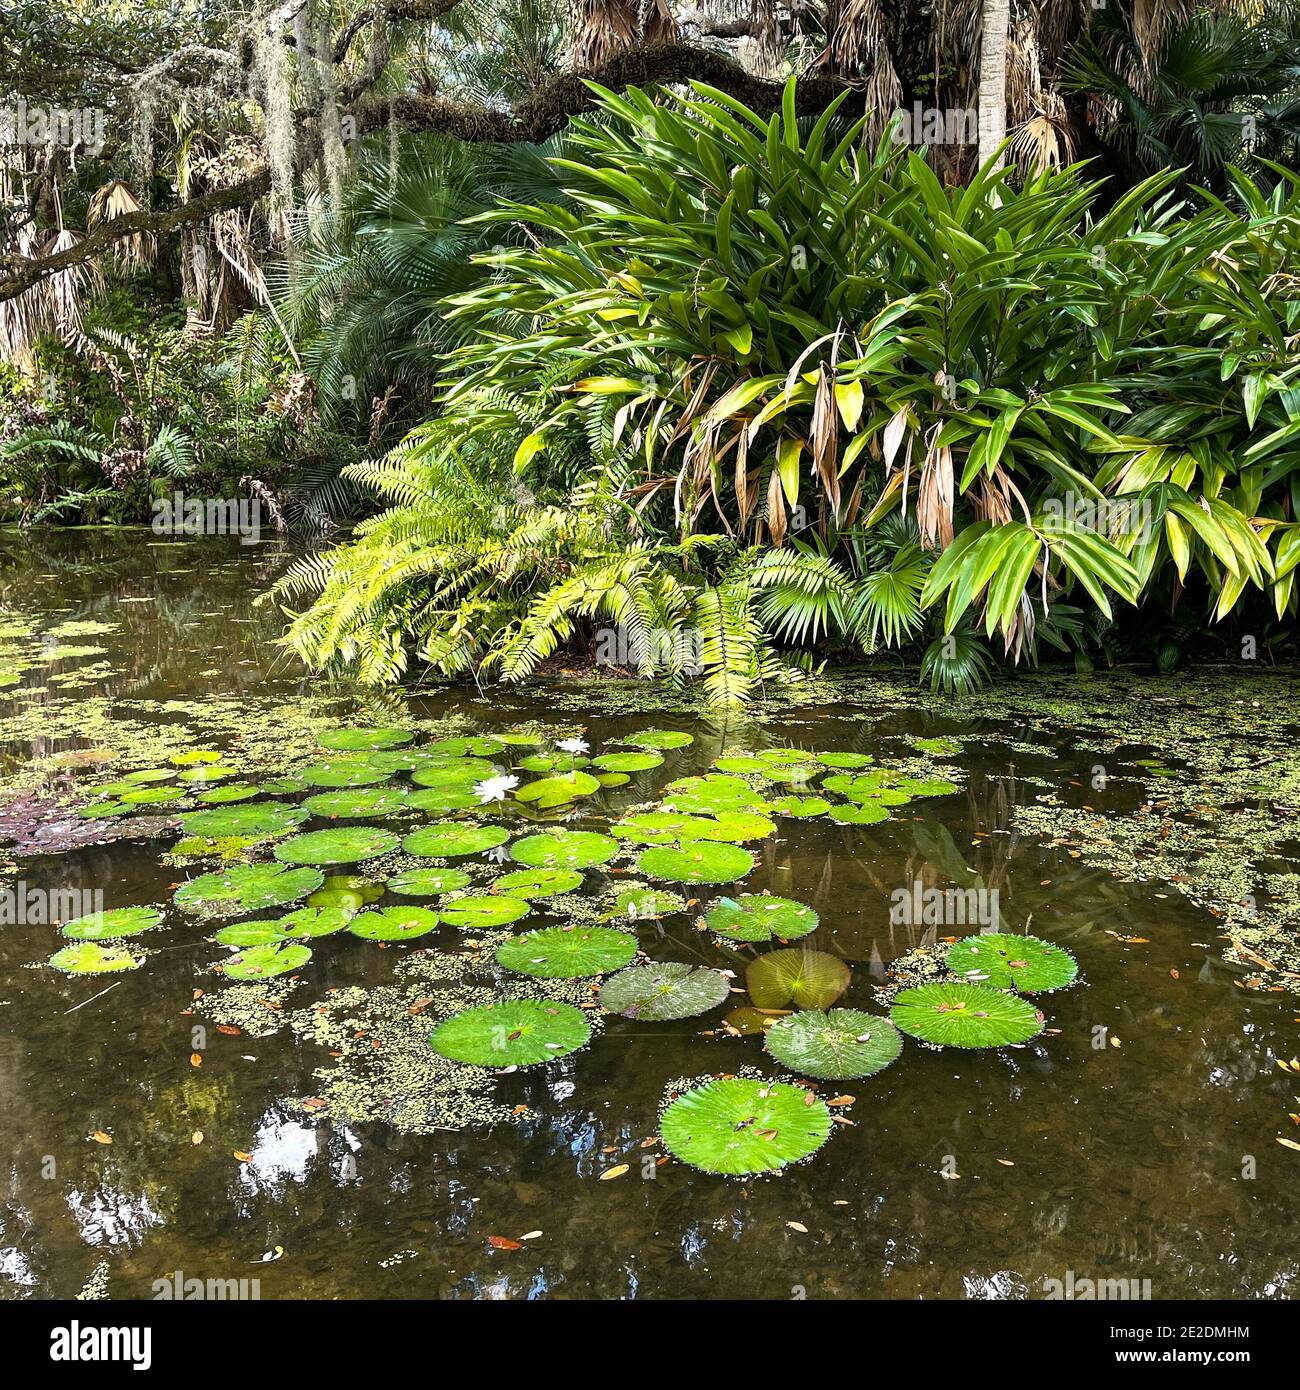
column 541, row 115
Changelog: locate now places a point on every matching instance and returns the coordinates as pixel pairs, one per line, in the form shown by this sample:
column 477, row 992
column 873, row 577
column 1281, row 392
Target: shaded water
column 1144, row 1151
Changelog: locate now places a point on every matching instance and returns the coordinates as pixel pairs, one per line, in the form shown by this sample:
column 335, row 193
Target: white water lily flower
column 572, row 745
column 495, row 788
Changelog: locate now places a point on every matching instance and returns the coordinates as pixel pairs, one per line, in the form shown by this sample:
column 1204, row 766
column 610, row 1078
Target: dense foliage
column 758, row 388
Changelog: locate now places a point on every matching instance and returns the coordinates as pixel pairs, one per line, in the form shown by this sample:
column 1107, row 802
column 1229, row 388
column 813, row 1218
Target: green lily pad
column 696, row 861
column 393, row 923
column 567, row 953
column 799, row 807
column 538, row 883
column 845, row 760
column 204, row 776
column 196, row 757
column 476, row 746
column 761, row 917
column 453, row 839
column 1024, row 963
column 428, row 883
column 840, row 1045
column 100, row 810
column 317, row 920
column 248, row 887
column 264, row 962
column 152, row 796
column 741, row 763
column 460, row 774
column 965, row 1015
column 664, row 990
column 808, row 979
column 260, row 818
column 283, row 786
column 342, row 845
column 150, row 774
column 118, row 921
column 305, row 922
column 859, row 815
column 713, row 794
column 440, row 800
column 552, row 762
column 613, row 779
column 557, row 791
column 228, row 792
column 354, row 740
column 925, row 786
column 479, row 911
column 660, row 738
column 260, row 933
column 667, row 827
column 939, row 747
column 564, row 849
column 89, row 958
column 737, row 1127
column 639, row 903
column 343, row 772
column 628, row 762
column 516, row 1033
column 363, row 801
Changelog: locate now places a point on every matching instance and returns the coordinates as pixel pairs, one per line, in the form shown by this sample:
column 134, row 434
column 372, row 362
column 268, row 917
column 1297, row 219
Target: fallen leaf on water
column 101, row 1138
column 503, row 1243
column 313, row 1103
column 229, row 1029
column 520, row 1110
column 1006, row 1163
column 530, row 1235
column 1115, row 1042
column 616, row 1171
column 242, row 1156
column 196, row 1059
column 842, row 1100
column 1290, row 1143
column 196, row 1137
column 1174, row 972
column 798, row 1226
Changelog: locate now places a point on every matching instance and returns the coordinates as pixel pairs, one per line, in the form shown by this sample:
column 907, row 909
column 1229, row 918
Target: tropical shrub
column 807, row 373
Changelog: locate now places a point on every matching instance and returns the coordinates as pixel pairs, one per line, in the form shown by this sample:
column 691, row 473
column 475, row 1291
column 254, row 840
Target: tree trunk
column 996, row 22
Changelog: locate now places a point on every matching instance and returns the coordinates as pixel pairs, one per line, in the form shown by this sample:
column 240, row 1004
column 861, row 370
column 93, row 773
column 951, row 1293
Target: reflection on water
column 1136, row 1140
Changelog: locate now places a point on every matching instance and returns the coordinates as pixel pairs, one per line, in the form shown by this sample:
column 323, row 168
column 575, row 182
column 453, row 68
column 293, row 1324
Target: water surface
column 1137, row 1139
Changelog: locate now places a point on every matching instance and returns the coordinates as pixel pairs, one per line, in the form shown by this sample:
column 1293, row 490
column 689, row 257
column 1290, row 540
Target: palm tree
column 602, row 28
column 995, row 17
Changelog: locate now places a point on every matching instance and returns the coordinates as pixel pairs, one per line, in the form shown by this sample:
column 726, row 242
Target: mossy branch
column 542, row 114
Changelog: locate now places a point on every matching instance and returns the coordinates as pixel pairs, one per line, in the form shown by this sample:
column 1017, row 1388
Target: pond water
column 1136, row 1138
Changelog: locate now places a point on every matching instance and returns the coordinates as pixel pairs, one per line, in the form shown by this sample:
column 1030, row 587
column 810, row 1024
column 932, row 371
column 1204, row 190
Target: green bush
column 760, row 381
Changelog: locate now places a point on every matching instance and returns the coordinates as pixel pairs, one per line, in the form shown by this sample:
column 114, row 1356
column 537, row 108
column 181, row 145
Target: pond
column 170, row 1121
